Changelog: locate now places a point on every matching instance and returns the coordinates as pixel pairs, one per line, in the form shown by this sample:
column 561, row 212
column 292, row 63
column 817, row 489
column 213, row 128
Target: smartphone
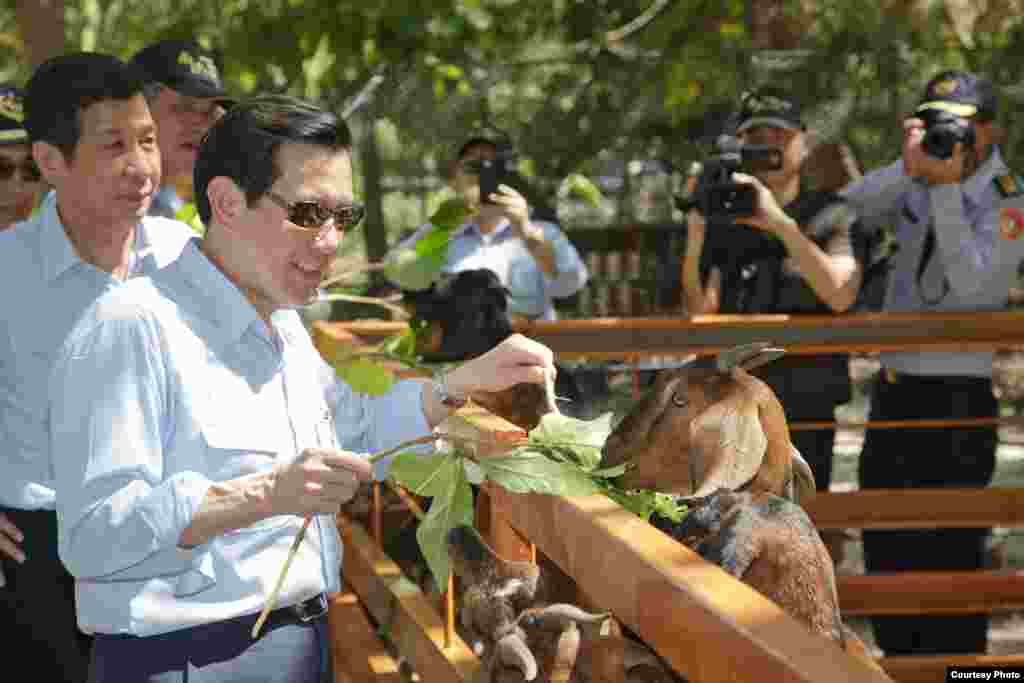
column 488, row 180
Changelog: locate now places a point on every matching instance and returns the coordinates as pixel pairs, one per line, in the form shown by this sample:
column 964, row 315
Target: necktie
column 927, row 251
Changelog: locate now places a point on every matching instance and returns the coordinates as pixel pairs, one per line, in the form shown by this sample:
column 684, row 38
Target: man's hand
column 514, row 361
column 10, row 538
column 319, row 481
column 516, row 209
column 768, row 215
column 919, row 164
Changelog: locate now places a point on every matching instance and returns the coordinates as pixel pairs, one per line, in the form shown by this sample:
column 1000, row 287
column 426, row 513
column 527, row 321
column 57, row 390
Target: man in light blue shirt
column 201, row 426
column 533, row 259
column 95, row 142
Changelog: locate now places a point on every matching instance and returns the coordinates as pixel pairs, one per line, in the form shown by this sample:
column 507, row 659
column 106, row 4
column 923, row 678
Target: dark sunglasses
column 314, row 216
column 29, row 171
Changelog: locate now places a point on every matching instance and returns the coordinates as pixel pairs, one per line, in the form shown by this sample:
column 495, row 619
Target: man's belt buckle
column 311, row 609
column 891, row 376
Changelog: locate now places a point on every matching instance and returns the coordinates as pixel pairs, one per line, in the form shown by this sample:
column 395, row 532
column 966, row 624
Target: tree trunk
column 374, row 230
column 41, row 24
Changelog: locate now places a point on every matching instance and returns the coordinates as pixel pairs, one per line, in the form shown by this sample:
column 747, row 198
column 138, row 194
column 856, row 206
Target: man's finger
column 358, row 466
column 7, row 527
column 11, row 549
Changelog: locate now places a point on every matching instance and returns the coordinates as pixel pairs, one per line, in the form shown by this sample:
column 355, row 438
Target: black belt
column 300, row 613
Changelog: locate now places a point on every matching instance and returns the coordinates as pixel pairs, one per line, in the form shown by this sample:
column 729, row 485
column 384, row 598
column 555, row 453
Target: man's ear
column 227, row 201
column 51, row 162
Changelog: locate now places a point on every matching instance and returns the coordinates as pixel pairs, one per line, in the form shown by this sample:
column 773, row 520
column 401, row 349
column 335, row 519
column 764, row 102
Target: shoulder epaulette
column 1008, row 185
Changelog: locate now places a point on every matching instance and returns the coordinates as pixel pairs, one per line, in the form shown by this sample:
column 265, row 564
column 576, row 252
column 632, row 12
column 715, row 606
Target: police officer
column 794, row 254
column 954, row 254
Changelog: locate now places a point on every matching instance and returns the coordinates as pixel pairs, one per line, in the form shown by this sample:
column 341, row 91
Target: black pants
column 928, row 458
column 37, row 606
column 222, row 652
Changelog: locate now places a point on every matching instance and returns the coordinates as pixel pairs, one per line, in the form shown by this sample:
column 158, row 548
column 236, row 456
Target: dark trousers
column 37, row 606
column 928, row 458
column 222, row 652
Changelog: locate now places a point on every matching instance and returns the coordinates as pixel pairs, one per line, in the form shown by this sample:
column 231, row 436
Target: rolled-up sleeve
column 572, row 273
column 370, row 424
column 879, row 192
column 109, row 415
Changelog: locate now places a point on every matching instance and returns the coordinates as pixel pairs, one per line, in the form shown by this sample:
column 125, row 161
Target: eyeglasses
column 313, row 216
column 28, row 170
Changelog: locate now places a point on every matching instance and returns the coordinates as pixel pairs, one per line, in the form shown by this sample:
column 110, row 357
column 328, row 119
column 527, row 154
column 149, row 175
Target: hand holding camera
column 935, row 149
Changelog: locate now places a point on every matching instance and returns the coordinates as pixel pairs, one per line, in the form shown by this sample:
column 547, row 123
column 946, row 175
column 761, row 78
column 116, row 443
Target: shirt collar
column 220, row 300
column 473, row 226
column 57, row 253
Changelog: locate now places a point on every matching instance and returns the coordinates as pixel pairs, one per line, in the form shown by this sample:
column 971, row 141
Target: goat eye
column 679, row 400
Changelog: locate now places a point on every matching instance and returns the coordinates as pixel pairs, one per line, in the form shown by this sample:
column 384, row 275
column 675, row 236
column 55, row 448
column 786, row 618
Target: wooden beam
column 937, row 592
column 706, row 624
column 409, row 619
column 359, row 655
column 918, row 508
column 929, row 669
column 630, row 338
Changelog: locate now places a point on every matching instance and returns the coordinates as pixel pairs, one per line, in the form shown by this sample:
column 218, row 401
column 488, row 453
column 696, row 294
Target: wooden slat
column 411, row 621
column 706, row 624
column 918, row 508
column 629, row 338
column 929, row 669
column 934, row 592
column 359, row 655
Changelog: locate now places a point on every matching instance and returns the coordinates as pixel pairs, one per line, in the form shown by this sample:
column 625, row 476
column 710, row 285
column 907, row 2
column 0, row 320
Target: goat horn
column 729, row 359
column 560, row 616
column 763, row 357
column 512, row 651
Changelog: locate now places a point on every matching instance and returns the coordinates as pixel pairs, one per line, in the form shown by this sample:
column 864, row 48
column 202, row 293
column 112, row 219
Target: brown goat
column 522, row 640
column 707, row 426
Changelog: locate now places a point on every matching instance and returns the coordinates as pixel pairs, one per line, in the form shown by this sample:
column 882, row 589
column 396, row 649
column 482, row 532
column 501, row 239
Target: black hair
column 242, row 145
column 62, row 87
column 473, row 142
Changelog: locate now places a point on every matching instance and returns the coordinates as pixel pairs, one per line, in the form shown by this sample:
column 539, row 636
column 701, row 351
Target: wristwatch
column 445, row 396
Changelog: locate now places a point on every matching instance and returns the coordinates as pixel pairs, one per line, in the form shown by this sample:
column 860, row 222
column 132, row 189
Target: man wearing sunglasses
column 95, row 143
column 186, row 96
column 20, row 182
column 214, row 427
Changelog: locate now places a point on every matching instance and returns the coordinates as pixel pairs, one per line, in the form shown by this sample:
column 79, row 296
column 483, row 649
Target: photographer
column 533, row 259
column 793, row 253
column 943, row 198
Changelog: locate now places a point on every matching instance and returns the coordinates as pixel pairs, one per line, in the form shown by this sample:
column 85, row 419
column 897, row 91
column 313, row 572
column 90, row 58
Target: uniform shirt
column 44, row 287
column 167, row 385
column 968, row 271
column 530, row 289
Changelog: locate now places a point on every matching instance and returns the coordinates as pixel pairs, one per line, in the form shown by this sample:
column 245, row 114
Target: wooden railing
column 695, row 616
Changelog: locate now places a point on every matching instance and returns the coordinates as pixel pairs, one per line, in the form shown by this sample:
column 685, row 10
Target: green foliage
column 365, row 375
column 416, row 267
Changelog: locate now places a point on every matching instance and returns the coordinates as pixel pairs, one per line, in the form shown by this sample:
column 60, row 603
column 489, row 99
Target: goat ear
column 728, row 445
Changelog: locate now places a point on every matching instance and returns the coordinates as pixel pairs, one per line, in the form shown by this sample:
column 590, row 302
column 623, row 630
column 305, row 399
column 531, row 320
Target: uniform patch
column 1008, row 185
column 1011, row 223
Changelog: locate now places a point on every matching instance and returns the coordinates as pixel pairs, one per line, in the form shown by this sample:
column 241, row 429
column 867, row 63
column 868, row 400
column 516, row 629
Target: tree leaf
column 365, row 375
column 424, row 475
column 585, row 188
column 525, row 470
column 451, row 214
column 582, row 438
column 450, row 508
column 413, row 271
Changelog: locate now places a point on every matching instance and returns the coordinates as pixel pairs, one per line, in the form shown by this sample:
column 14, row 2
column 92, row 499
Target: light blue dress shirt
column 975, row 262
column 44, row 288
column 167, row 385
column 530, row 290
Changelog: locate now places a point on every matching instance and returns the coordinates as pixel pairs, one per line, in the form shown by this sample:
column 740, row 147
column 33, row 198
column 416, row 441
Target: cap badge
column 12, row 107
column 1011, row 223
column 945, row 88
column 199, row 65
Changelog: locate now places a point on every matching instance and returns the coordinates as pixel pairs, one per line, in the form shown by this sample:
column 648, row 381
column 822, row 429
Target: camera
column 716, row 194
column 942, row 131
column 493, row 172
